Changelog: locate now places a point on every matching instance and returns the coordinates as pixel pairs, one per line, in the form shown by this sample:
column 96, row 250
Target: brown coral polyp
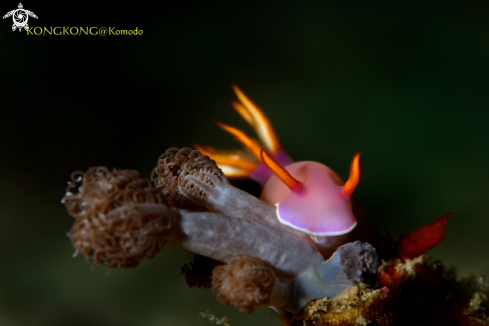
column 246, row 282
column 118, row 221
column 174, row 165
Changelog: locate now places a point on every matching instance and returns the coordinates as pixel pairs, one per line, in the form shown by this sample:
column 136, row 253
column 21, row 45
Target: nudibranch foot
column 325, row 242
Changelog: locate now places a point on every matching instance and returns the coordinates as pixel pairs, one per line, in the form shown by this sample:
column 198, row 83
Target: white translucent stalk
column 330, row 278
column 226, row 199
column 302, row 274
column 222, row 237
column 322, row 279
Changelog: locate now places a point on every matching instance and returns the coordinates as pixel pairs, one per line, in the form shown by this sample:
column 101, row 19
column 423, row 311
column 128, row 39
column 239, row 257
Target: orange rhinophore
column 355, row 175
column 279, row 170
column 424, row 238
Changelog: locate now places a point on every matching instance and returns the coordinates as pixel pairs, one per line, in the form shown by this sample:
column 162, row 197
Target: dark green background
column 405, row 83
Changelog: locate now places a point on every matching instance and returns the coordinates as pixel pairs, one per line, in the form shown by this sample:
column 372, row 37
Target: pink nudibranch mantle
column 310, row 197
column 318, row 208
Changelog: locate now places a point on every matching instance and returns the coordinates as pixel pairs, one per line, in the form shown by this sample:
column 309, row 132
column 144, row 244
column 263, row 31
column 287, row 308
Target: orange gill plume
column 251, row 145
column 236, row 164
column 257, row 120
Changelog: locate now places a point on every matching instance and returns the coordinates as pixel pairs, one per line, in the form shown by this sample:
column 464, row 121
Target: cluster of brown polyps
column 304, row 248
column 122, row 219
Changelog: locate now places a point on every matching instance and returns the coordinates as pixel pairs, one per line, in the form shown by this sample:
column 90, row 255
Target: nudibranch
column 121, row 219
column 319, row 204
column 309, row 196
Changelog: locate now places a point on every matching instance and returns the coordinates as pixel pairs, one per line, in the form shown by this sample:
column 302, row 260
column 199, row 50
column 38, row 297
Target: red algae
column 424, row 238
column 389, row 276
